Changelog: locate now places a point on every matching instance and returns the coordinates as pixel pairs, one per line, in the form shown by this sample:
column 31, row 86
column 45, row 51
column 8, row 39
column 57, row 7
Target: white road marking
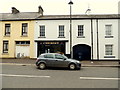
column 99, row 78
column 28, row 76
column 16, row 64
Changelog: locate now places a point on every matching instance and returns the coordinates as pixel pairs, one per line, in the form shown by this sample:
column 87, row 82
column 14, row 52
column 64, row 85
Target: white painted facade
column 52, row 33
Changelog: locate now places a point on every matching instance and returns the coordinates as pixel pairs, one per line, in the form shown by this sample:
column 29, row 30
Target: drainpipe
column 92, row 38
column 97, row 41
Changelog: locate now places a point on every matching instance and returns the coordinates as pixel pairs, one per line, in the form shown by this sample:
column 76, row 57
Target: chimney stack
column 40, row 10
column 14, row 10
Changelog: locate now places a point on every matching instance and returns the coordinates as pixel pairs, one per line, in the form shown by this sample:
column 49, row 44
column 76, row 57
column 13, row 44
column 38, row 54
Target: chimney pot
column 40, row 10
column 14, row 10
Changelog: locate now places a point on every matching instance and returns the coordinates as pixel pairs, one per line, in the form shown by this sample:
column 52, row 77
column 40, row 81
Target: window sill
column 5, row 53
column 109, row 56
column 42, row 37
column 7, row 36
column 24, row 36
column 109, row 36
column 61, row 37
column 80, row 36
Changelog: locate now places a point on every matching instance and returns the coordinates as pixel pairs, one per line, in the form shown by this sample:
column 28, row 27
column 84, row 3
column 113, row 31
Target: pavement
column 87, row 63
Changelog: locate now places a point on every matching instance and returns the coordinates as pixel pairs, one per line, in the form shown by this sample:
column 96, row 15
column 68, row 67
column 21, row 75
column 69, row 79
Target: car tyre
column 72, row 66
column 42, row 66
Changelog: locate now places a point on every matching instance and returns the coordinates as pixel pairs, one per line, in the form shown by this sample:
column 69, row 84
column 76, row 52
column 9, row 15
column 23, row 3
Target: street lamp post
column 71, row 3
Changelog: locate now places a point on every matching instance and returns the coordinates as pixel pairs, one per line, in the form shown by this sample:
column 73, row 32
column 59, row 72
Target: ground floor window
column 108, row 49
column 5, row 46
column 22, row 42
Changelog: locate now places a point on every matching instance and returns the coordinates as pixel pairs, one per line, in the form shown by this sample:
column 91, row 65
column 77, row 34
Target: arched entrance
column 82, row 52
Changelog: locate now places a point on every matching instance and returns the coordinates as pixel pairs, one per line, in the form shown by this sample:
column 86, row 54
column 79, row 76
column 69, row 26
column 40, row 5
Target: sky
column 61, row 7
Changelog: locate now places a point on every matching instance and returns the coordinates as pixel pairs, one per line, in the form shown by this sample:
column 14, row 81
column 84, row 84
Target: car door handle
column 56, row 60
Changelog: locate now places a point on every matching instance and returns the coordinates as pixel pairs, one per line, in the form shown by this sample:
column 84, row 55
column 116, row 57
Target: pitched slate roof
column 99, row 16
column 38, row 16
column 19, row 16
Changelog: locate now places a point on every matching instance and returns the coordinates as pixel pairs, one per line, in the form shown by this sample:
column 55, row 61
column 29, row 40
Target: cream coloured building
column 17, row 32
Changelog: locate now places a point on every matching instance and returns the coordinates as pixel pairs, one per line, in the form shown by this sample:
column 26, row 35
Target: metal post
column 97, row 41
column 70, row 3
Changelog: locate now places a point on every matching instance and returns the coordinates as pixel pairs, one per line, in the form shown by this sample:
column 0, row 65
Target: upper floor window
column 61, row 30
column 7, row 29
column 42, row 31
column 24, row 29
column 5, row 46
column 108, row 49
column 80, row 30
column 108, row 31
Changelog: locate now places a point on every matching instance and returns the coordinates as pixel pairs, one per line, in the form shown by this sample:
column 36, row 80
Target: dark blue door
column 82, row 52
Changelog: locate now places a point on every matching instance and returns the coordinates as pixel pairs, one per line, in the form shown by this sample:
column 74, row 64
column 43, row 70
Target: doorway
column 82, row 52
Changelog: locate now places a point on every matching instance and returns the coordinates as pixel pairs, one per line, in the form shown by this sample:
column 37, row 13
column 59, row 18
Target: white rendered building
column 94, row 37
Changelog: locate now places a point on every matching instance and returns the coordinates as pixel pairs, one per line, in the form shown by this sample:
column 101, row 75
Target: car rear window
column 49, row 56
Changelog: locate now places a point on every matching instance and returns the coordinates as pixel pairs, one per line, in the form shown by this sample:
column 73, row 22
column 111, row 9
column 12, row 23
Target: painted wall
column 16, row 29
column 103, row 41
column 51, row 27
column 1, row 39
column 119, row 31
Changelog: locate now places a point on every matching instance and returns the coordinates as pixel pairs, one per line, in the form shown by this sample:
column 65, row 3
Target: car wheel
column 72, row 66
column 42, row 66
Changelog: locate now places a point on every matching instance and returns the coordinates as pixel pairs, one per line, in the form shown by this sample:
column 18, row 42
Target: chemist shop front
column 51, row 47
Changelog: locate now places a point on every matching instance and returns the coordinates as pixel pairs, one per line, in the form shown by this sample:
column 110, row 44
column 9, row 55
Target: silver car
column 56, row 60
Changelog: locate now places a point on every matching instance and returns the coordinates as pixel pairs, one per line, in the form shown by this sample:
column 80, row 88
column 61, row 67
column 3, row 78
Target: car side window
column 48, row 56
column 58, row 56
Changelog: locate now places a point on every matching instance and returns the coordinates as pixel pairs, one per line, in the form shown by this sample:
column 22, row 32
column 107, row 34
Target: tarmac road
column 27, row 76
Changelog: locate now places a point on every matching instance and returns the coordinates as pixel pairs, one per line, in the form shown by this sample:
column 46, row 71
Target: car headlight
column 78, row 61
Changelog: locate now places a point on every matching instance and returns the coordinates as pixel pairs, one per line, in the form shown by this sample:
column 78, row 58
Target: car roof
column 49, row 53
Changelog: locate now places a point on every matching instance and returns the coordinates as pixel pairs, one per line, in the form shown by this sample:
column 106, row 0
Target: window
column 80, row 30
column 108, row 30
column 5, row 46
column 22, row 42
column 61, row 31
column 42, row 31
column 58, row 56
column 49, row 56
column 7, row 29
column 24, row 29
column 108, row 49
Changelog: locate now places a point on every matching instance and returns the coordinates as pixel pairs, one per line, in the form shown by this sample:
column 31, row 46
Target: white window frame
column 108, row 30
column 80, row 31
column 109, row 49
column 42, row 31
column 61, row 31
